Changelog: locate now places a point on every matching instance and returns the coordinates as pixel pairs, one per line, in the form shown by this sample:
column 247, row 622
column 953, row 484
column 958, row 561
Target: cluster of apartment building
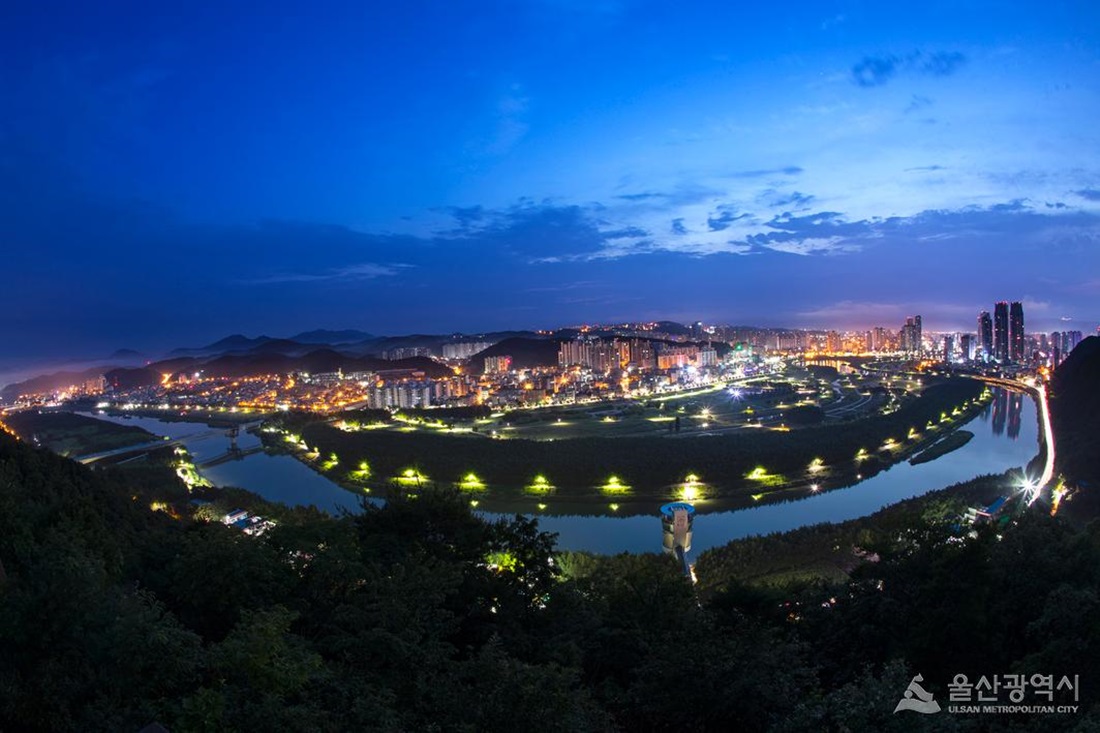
column 604, row 355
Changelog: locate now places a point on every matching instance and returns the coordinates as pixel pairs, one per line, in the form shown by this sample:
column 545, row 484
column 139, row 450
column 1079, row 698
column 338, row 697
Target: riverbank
column 831, row 551
column 214, row 418
column 954, row 441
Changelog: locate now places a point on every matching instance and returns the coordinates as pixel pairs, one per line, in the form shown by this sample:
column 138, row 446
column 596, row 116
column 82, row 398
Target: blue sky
column 171, row 172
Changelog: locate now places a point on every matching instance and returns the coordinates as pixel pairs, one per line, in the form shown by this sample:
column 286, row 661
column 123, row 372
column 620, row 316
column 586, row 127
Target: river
column 1006, row 435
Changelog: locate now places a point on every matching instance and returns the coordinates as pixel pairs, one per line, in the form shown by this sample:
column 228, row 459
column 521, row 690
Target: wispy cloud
column 874, row 71
column 917, row 103
column 361, row 271
column 789, row 170
column 511, row 121
column 796, row 199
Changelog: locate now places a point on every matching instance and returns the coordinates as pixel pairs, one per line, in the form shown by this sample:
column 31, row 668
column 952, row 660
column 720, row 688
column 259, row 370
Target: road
column 1035, row 487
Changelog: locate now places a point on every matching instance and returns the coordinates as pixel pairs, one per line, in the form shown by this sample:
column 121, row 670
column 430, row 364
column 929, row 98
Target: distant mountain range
column 320, row 350
column 354, row 342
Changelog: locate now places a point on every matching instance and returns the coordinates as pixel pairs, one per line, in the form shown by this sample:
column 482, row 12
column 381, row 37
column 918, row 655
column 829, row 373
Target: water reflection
column 1000, row 411
column 280, row 478
column 989, row 452
column 1015, row 408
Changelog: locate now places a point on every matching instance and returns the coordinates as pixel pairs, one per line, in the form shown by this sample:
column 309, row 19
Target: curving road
column 1040, row 394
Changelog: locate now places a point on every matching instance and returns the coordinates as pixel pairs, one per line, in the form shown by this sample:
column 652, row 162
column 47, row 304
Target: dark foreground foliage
column 420, row 616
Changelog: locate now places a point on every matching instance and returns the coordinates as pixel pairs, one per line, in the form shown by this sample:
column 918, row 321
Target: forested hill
column 113, row 615
column 1075, row 412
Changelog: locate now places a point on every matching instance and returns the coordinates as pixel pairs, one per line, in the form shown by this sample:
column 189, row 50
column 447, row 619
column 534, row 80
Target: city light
column 1031, row 490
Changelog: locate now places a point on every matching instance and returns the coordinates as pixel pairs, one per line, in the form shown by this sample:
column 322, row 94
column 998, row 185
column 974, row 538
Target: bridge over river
column 232, row 453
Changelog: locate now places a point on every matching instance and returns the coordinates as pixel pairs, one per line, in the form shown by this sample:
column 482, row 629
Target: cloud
column 543, row 231
column 796, row 199
column 467, row 216
column 575, row 285
column 790, row 170
column 723, row 219
column 917, row 103
column 874, row 71
column 350, row 273
column 941, row 64
column 1089, row 194
column 641, row 196
column 553, row 232
column 505, row 126
column 681, row 195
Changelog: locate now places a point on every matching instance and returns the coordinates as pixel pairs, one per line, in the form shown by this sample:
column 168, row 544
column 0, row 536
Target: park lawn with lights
column 757, row 403
column 792, row 399
column 752, row 466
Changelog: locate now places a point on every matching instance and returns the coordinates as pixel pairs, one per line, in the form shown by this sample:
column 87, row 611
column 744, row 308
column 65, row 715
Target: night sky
column 172, row 173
